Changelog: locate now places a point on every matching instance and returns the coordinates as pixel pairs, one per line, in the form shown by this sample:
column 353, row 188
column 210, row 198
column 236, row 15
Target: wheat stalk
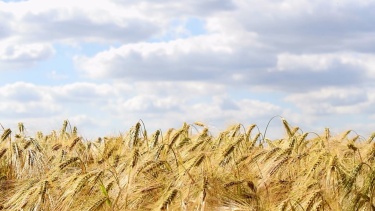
column 2, row 152
column 228, row 150
column 195, row 146
column 174, row 138
column 167, row 201
column 233, row 183
column 155, row 138
column 74, row 142
column 82, row 183
column 56, row 147
column 98, row 204
column 199, row 160
column 279, row 165
column 200, row 124
column 135, row 157
column 6, row 134
column 271, row 153
column 68, row 162
column 203, row 171
column 43, row 190
column 312, row 200
column 287, row 128
column 27, row 144
column 371, row 138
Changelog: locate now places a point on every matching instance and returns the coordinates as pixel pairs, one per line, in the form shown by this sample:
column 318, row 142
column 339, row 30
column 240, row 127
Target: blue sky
column 107, row 64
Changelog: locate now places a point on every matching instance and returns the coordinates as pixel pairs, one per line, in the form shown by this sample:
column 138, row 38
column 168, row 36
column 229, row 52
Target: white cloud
column 332, row 101
column 228, row 60
column 190, row 88
column 289, row 62
column 198, row 58
column 150, row 104
column 81, row 27
column 22, row 110
column 99, row 109
column 84, row 92
column 316, row 55
column 25, row 100
column 325, row 61
column 308, row 26
column 14, row 55
column 23, row 92
column 74, row 21
column 104, row 105
column 28, row 52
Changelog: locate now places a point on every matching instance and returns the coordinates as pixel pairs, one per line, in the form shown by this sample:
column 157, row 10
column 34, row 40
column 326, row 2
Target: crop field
column 187, row 168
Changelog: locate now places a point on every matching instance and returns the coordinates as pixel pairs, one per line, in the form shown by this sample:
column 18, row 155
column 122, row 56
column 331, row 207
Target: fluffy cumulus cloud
column 284, row 45
column 104, row 107
column 48, row 25
column 26, row 100
column 15, row 56
column 74, row 21
column 310, row 26
column 307, row 72
column 326, row 101
column 206, row 57
column 84, row 92
column 167, row 62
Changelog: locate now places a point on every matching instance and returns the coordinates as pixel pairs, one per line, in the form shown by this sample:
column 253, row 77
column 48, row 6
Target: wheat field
column 187, row 168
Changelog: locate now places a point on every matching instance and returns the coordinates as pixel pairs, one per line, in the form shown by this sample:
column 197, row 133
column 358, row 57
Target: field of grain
column 187, row 168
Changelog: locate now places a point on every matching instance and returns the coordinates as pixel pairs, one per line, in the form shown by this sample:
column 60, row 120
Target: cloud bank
column 168, row 62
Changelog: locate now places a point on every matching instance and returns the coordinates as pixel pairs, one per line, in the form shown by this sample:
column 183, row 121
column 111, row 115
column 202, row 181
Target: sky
column 106, row 64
